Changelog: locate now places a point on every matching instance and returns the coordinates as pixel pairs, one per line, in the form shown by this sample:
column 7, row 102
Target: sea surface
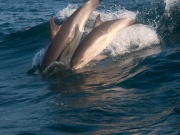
column 136, row 90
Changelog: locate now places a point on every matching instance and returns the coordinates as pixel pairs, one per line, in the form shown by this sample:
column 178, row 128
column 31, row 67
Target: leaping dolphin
column 97, row 40
column 69, row 33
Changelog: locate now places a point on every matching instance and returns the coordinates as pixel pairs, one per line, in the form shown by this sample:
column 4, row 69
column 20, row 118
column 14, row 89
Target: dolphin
column 97, row 40
column 69, row 32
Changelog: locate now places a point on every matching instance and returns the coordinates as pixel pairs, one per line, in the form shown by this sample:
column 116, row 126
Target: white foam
column 129, row 39
column 133, row 38
column 66, row 12
column 169, row 5
column 38, row 58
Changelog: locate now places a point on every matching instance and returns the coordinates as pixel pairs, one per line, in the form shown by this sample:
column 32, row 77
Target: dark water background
column 134, row 93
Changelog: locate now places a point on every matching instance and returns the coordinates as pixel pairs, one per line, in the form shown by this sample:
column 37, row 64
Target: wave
column 152, row 32
column 130, row 92
column 127, row 40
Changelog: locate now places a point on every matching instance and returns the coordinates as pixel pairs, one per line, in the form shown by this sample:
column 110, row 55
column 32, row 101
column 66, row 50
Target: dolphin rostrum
column 97, row 40
column 69, row 32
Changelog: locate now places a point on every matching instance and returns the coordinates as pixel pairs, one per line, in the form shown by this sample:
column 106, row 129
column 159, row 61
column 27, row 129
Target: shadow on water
column 95, row 97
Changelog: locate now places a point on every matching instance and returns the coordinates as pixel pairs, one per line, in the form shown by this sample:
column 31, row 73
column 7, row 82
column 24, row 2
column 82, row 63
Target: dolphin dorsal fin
column 54, row 28
column 98, row 21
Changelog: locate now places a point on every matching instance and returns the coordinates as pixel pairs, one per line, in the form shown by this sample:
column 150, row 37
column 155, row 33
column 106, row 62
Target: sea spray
column 169, row 5
column 38, row 58
column 133, row 38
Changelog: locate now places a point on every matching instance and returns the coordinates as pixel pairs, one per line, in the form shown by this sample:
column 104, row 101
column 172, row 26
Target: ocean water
column 136, row 90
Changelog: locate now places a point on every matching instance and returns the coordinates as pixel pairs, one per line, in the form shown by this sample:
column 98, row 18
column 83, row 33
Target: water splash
column 169, row 5
column 66, row 12
column 130, row 39
column 133, row 38
column 38, row 58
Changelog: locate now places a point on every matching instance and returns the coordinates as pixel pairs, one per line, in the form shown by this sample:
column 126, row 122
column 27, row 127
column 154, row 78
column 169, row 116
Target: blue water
column 134, row 91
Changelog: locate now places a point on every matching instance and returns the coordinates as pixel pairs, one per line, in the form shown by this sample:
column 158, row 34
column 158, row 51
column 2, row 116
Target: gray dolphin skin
column 97, row 40
column 69, row 32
